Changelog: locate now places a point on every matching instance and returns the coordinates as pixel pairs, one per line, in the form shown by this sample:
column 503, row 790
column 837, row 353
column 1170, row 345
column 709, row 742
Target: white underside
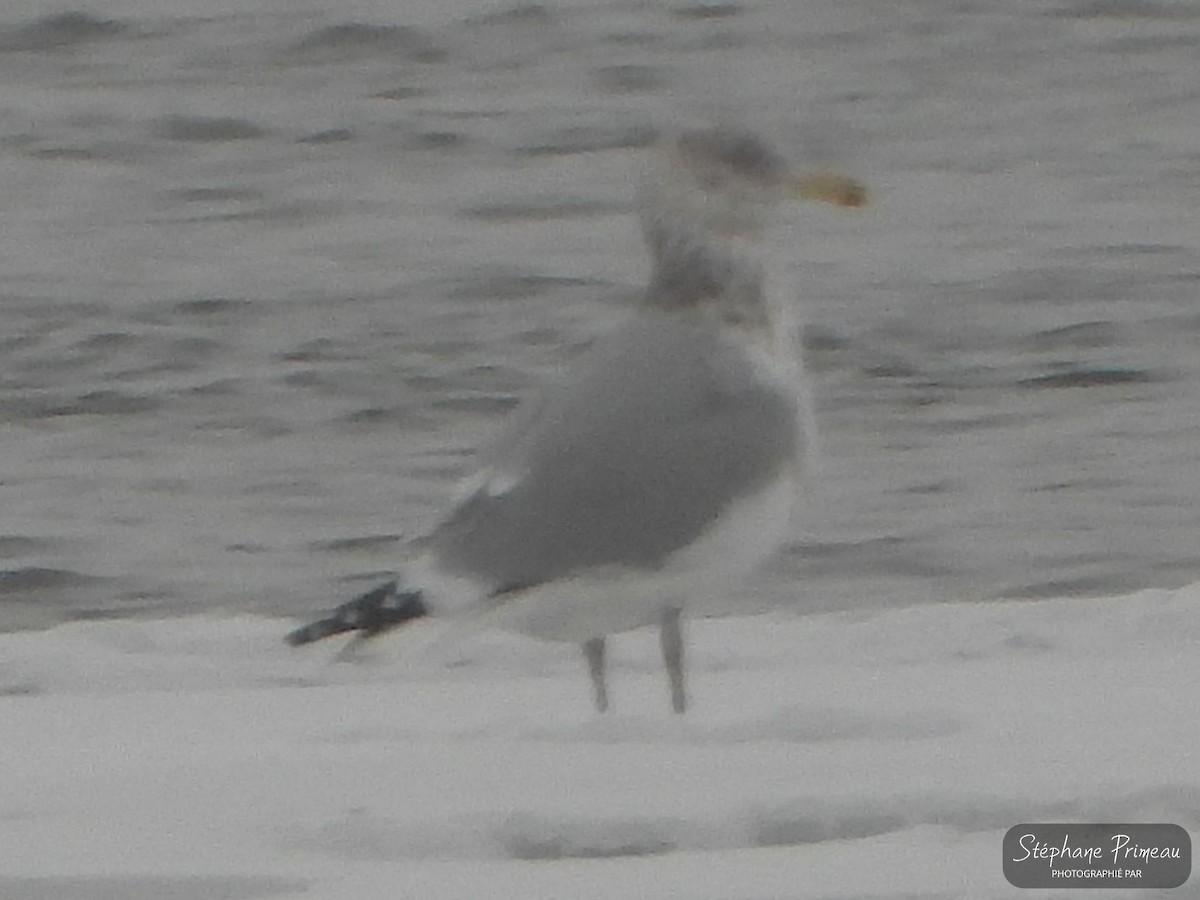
column 614, row 599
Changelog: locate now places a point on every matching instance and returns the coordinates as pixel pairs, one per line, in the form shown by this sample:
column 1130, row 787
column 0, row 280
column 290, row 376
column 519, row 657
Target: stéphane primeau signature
column 1095, row 855
column 1122, row 850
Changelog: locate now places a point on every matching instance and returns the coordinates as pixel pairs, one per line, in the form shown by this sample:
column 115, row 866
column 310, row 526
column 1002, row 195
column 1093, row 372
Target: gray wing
column 662, row 426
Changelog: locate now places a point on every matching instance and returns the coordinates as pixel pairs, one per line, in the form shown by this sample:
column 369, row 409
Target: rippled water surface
column 270, row 270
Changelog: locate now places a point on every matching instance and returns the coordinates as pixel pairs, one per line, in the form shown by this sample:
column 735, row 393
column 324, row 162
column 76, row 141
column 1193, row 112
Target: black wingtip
column 378, row 610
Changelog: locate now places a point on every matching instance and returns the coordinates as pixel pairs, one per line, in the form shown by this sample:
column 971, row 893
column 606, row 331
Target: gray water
column 270, row 270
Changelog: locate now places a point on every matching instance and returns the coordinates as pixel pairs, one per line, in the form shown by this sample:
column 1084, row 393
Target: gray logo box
column 1086, row 855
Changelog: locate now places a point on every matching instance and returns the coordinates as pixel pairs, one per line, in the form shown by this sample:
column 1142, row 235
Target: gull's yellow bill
column 828, row 187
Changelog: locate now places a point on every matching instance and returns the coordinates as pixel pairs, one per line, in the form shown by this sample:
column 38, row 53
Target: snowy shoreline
column 880, row 754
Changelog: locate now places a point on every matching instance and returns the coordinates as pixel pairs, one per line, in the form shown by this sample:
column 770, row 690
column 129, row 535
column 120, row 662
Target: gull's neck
column 720, row 274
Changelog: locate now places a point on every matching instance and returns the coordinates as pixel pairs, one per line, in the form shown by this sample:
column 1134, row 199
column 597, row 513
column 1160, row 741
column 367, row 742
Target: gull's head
column 724, row 183
column 703, row 208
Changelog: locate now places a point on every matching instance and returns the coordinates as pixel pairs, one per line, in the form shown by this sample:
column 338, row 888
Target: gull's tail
column 378, row 610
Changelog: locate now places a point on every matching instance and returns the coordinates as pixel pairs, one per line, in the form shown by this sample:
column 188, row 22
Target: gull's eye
column 746, row 155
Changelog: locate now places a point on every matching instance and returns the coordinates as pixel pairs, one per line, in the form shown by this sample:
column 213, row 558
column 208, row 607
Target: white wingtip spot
column 487, row 481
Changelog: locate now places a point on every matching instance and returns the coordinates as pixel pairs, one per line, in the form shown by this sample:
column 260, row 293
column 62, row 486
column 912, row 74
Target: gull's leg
column 593, row 649
column 671, row 640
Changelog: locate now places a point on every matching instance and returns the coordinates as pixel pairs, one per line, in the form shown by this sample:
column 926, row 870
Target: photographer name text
column 1123, row 850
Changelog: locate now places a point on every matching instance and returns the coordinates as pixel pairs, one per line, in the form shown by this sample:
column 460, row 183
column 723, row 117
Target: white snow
column 840, row 755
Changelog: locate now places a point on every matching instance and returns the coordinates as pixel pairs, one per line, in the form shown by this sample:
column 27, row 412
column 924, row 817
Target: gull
column 665, row 466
